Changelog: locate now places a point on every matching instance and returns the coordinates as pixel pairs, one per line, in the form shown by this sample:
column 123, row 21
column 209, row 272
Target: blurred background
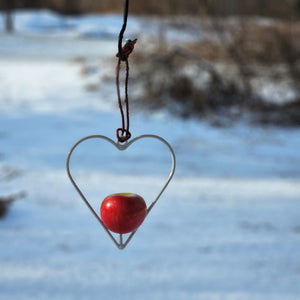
column 230, row 57
column 220, row 80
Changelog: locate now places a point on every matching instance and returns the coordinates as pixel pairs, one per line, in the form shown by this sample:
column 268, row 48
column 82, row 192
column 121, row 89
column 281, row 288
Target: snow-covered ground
column 227, row 227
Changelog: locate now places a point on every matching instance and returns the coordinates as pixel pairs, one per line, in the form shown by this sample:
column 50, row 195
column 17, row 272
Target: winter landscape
column 227, row 227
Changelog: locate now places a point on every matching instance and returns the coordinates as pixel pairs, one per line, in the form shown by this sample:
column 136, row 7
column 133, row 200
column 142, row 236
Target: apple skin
column 123, row 212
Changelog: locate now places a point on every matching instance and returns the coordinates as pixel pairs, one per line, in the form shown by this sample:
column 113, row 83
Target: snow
column 277, row 93
column 45, row 22
column 227, row 227
column 106, row 27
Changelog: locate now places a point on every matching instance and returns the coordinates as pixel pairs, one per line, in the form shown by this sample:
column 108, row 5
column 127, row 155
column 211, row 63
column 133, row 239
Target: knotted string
column 123, row 134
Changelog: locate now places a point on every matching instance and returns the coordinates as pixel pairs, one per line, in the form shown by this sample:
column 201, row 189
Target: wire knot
column 124, row 52
column 123, row 135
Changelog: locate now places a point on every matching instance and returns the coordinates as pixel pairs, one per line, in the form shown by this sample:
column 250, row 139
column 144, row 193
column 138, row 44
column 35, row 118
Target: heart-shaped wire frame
column 121, row 147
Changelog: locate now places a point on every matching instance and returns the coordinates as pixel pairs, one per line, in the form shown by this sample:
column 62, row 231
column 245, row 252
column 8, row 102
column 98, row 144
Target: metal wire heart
column 121, row 147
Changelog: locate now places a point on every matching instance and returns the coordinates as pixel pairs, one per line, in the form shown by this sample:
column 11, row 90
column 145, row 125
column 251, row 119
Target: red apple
column 123, row 212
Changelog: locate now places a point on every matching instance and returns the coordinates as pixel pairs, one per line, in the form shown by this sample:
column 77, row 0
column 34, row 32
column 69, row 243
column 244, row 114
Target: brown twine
column 123, row 134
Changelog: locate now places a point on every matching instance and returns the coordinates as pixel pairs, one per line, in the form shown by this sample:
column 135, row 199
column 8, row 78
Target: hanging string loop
column 123, row 134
